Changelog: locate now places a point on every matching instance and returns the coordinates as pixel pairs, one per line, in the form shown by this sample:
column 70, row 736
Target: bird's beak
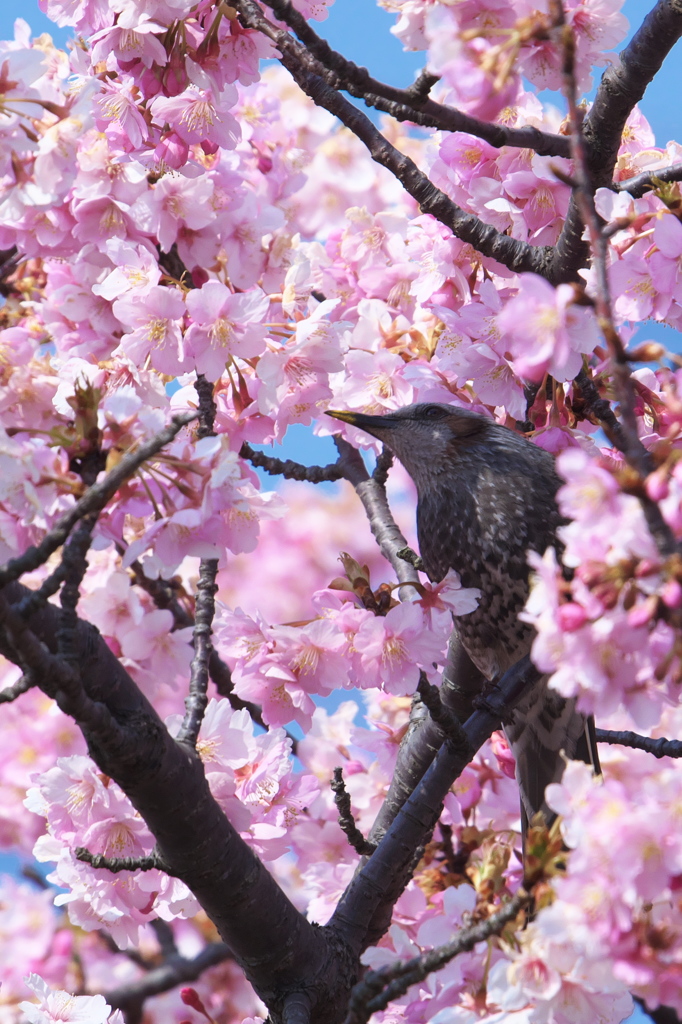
column 362, row 420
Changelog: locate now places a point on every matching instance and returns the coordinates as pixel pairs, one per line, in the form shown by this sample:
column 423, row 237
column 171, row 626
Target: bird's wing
column 544, row 730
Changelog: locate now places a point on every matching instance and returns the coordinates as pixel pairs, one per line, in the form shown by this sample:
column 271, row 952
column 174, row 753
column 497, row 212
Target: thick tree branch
column 277, row 948
column 385, row 874
column 462, row 683
column 410, row 104
column 56, row 676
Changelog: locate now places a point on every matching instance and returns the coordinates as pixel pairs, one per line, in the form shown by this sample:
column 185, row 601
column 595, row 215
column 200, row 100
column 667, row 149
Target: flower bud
column 571, row 616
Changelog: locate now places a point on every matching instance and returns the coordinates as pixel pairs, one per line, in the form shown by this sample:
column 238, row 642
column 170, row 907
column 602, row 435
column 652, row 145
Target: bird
column 486, row 496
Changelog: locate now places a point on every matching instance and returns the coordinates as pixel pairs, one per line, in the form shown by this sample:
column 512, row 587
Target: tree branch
column 640, row 184
column 309, row 75
column 165, row 782
column 289, row 469
column 378, row 988
column 385, row 874
column 372, row 494
column 22, row 685
column 637, row 456
column 93, row 501
column 115, row 864
column 346, row 819
column 197, row 699
column 659, row 747
column 173, row 972
column 462, row 683
column 410, row 104
column 622, row 86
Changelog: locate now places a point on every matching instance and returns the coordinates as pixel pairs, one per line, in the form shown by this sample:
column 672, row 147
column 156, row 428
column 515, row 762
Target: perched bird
column 486, row 496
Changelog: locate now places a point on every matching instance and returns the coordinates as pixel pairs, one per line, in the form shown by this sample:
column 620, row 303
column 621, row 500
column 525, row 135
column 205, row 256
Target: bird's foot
column 408, row 555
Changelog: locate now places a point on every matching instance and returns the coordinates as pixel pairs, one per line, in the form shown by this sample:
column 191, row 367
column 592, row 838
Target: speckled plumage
column 487, row 496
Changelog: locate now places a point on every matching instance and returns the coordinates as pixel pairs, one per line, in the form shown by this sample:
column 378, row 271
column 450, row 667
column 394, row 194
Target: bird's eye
column 432, row 412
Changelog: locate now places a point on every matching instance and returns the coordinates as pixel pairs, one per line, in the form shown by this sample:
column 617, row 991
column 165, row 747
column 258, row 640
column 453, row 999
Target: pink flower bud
column 172, row 151
column 191, row 997
column 502, row 751
column 571, row 616
column 646, row 567
column 671, row 594
column 264, row 164
column 643, row 613
column 199, row 276
column 657, row 485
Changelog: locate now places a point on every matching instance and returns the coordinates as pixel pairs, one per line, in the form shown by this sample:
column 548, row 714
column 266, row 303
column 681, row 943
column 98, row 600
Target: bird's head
column 426, row 437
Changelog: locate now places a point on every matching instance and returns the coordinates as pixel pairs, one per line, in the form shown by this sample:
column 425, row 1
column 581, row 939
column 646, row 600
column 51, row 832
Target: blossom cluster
column 483, row 50
column 609, row 635
column 347, row 645
column 251, row 778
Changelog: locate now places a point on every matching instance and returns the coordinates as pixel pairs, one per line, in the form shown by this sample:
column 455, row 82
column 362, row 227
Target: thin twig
column 640, row 184
column 204, row 603
column 197, row 699
column 601, row 409
column 207, row 406
column 384, row 463
column 659, row 747
column 378, row 988
column 176, row 970
column 75, row 564
column 288, row 468
column 94, row 500
column 346, row 819
column 9, row 261
column 152, row 862
column 22, row 685
column 165, row 937
column 444, row 718
column 163, row 594
column 622, row 86
column 384, row 528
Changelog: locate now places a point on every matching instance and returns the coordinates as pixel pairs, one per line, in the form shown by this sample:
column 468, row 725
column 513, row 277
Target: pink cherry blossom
column 546, row 330
column 224, row 325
